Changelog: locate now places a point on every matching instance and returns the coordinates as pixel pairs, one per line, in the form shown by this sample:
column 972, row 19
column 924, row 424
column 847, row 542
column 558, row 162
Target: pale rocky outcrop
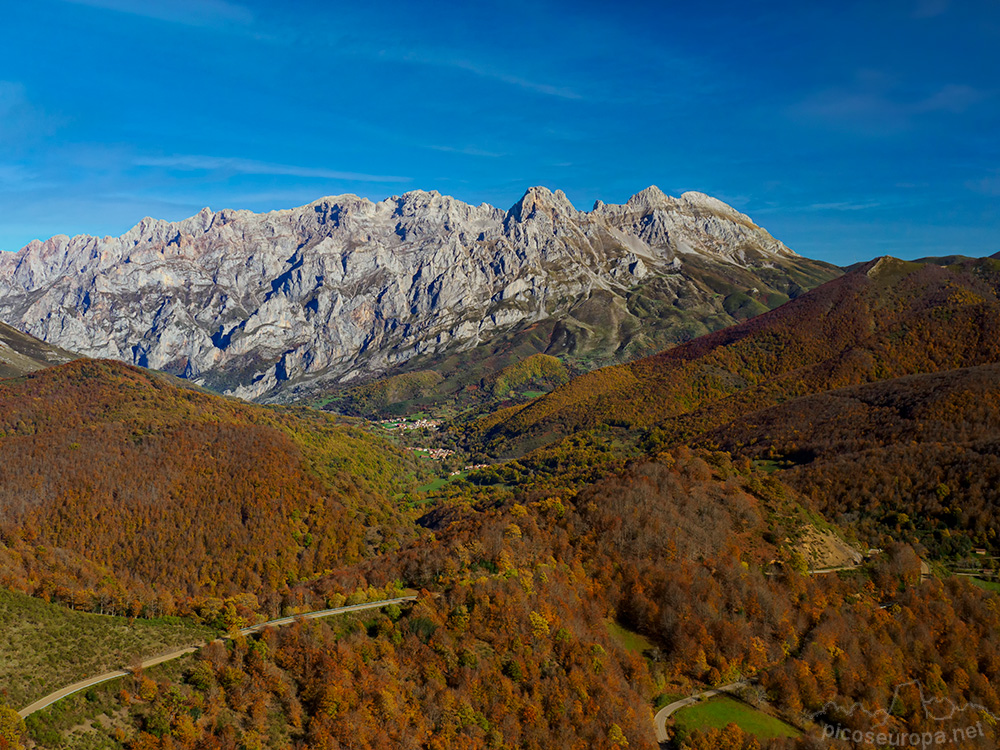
column 344, row 287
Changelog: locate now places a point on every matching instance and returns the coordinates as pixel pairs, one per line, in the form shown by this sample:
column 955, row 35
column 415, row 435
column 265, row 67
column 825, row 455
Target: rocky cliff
column 264, row 305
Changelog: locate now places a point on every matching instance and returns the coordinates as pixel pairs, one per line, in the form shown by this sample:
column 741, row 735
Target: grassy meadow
column 46, row 646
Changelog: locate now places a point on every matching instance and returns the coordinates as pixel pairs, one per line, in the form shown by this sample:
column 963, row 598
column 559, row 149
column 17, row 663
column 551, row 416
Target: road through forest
column 76, row 687
column 660, row 720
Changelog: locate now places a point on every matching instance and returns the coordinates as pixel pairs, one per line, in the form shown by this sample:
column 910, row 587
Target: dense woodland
column 124, row 493
column 507, row 644
column 887, row 319
column 915, row 457
column 923, row 477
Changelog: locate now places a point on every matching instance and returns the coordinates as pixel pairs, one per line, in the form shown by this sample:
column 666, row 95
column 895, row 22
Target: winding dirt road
column 76, row 687
column 660, row 720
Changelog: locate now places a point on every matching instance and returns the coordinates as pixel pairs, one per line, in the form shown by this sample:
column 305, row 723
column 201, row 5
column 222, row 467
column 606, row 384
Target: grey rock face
column 344, row 287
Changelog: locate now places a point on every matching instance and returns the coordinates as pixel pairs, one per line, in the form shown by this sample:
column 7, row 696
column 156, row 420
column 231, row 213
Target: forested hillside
column 513, row 650
column 125, row 494
column 564, row 595
column 915, row 457
column 884, row 319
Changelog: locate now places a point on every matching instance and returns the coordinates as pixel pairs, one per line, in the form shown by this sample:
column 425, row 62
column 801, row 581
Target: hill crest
column 883, row 319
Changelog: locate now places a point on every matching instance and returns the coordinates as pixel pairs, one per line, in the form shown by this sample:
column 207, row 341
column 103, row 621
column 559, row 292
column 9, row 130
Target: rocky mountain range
column 270, row 306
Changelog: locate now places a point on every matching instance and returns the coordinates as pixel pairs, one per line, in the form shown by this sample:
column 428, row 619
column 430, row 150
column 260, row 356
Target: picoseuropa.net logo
column 959, row 723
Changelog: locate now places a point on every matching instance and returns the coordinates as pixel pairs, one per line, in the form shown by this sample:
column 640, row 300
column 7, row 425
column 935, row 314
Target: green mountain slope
column 21, row 353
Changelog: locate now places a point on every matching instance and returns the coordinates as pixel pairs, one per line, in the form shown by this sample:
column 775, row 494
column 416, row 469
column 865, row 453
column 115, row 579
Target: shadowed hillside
column 884, row 319
column 917, row 456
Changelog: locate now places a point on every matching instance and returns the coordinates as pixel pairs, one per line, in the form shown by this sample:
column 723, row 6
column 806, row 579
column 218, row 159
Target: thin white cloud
column 14, row 175
column 772, row 207
column 986, row 185
column 561, row 92
column 843, row 206
column 485, row 71
column 467, row 151
column 20, row 120
column 951, row 98
column 187, row 12
column 254, row 167
column 12, row 98
column 874, row 108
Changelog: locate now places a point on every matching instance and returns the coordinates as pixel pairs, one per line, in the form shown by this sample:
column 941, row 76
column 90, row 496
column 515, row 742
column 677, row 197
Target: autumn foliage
column 122, row 493
column 886, row 319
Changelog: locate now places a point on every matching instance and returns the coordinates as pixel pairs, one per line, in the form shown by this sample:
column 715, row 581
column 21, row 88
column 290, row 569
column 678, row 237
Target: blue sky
column 847, row 129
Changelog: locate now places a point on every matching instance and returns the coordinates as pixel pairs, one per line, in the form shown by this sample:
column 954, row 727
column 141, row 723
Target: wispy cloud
column 547, row 89
column 12, row 98
column 466, row 150
column 254, row 167
column 986, row 185
column 873, row 107
column 21, row 120
column 829, row 207
column 187, row 12
column 842, row 206
column 14, row 175
column 952, row 98
column 483, row 71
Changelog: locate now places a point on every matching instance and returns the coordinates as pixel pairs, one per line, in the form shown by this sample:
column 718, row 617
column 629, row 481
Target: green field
column 628, row 639
column 769, row 466
column 716, row 713
column 45, row 646
column 440, row 482
column 988, row 585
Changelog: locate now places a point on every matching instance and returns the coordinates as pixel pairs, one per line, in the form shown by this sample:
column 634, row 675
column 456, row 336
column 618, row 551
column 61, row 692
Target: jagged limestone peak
column 344, row 287
column 700, row 201
column 541, row 199
column 650, row 199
